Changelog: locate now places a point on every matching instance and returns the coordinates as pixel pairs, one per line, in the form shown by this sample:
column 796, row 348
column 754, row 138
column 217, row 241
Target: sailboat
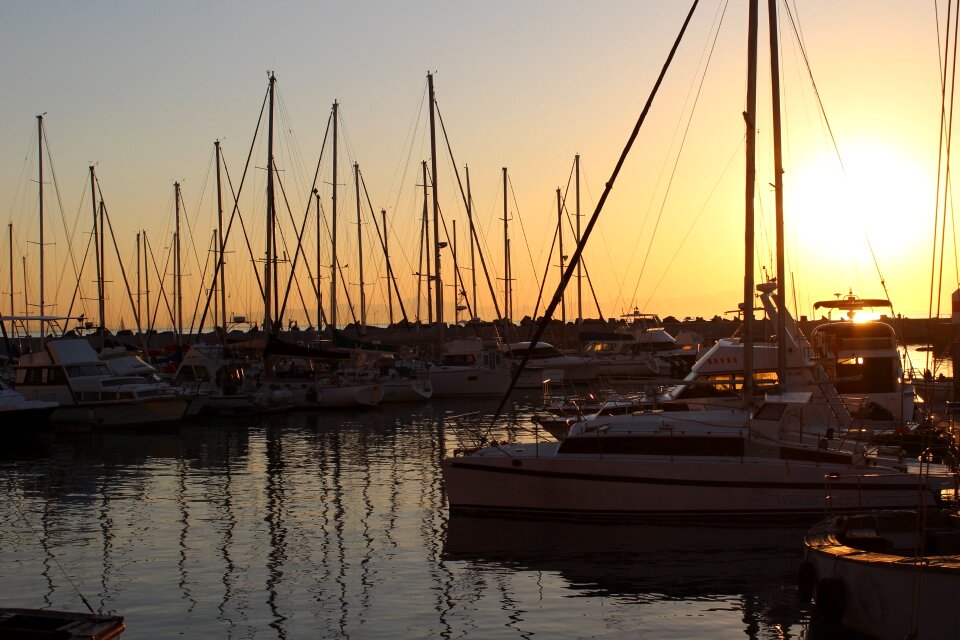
column 743, row 461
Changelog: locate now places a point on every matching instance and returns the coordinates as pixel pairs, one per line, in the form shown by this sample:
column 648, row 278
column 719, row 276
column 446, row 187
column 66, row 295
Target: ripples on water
column 334, row 525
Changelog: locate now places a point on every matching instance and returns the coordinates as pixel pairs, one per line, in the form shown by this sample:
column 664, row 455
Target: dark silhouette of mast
column 97, row 252
column 473, row 270
column 576, row 162
column 426, row 239
column 177, row 268
column 507, row 310
column 749, row 190
column 386, row 256
column 436, row 208
column 363, row 297
column 40, row 200
column 563, row 297
column 269, row 277
column 223, row 281
column 333, row 234
column 778, row 191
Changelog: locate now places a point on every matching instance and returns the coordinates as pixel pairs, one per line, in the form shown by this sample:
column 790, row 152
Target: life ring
column 806, row 580
column 831, row 599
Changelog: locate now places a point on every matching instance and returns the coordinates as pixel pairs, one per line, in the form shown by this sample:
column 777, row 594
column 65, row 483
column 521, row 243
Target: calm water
column 334, row 525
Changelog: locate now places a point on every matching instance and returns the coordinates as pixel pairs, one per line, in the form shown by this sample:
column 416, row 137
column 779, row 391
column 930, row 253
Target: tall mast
column 146, row 280
column 778, row 191
column 426, row 231
column 177, row 269
column 40, row 200
column 216, row 260
column 268, row 265
column 506, row 259
column 316, row 195
column 139, row 287
column 26, row 301
column 13, row 310
column 576, row 162
column 222, row 260
column 563, row 297
column 456, row 272
column 750, row 186
column 363, row 299
column 96, row 245
column 386, row 256
column 103, row 279
column 333, row 239
column 473, row 270
column 436, row 207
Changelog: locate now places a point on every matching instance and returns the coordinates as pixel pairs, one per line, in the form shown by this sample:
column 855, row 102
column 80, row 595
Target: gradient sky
column 143, row 89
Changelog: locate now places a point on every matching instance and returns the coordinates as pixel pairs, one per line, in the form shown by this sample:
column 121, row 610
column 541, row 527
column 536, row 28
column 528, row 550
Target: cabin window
column 32, row 376
column 55, row 375
column 654, row 446
column 867, row 375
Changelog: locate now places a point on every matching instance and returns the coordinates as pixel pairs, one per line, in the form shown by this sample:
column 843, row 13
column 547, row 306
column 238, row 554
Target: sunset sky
column 142, row 89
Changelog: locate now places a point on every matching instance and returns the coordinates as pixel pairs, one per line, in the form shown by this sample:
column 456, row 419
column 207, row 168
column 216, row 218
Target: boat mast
column 778, row 191
column 40, row 200
column 473, row 270
column 436, row 208
column 576, row 162
column 456, row 272
column 386, row 256
column 268, row 264
column 139, row 285
column 749, row 190
column 316, row 195
column 10, row 236
column 223, row 282
column 563, row 297
column 97, row 252
column 333, row 250
column 177, row 269
column 426, row 240
column 363, row 303
column 146, row 280
column 507, row 311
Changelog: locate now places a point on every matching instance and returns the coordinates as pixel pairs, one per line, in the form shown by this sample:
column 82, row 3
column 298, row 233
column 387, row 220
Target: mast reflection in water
column 334, row 525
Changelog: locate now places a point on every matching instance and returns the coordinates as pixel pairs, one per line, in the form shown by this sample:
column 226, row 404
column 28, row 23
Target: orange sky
column 526, row 87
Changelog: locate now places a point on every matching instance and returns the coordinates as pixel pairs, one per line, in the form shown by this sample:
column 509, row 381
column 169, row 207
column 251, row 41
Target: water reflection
column 334, row 525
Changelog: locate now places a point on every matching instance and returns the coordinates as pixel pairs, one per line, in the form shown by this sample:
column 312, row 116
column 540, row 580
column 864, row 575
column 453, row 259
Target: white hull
column 360, row 395
column 886, row 596
column 122, row 414
column 468, row 381
column 406, row 390
column 529, row 478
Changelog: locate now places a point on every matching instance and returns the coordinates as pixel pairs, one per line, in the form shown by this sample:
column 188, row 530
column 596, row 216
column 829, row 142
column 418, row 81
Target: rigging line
column 186, row 217
column 43, row 543
column 77, row 273
column 76, row 289
column 947, row 190
column 526, row 240
column 160, row 292
column 701, row 70
column 196, row 215
column 703, row 208
column 816, row 91
column 676, row 162
column 463, row 286
column 943, row 61
column 391, row 274
column 546, row 270
column 296, row 256
column 572, row 267
column 212, row 247
column 339, row 269
column 306, row 216
column 56, row 190
column 456, row 172
column 235, row 212
column 583, row 264
column 123, row 272
column 408, row 145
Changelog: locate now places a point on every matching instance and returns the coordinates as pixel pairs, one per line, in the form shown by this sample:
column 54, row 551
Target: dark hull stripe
column 563, row 475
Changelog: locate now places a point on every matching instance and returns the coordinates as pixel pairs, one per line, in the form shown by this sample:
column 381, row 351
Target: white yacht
column 16, row 410
column 706, row 463
column 644, row 349
column 546, row 362
column 470, row 367
column 69, row 372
